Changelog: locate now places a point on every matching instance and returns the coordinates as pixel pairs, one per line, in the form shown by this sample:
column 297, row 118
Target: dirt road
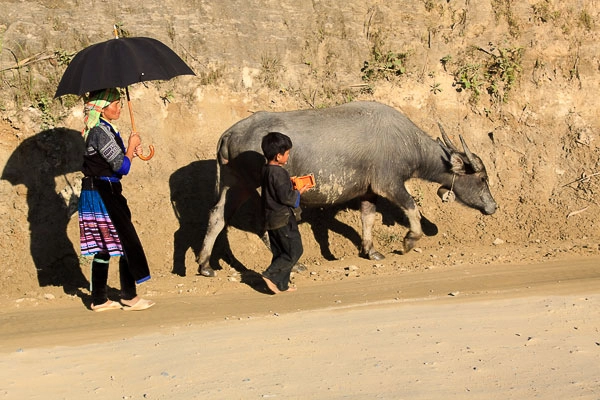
column 494, row 332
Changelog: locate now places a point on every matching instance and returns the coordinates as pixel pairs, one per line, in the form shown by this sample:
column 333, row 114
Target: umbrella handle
column 149, row 156
column 141, row 156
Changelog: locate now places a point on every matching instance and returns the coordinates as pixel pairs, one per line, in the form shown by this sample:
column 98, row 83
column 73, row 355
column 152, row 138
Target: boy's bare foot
column 291, row 289
column 271, row 285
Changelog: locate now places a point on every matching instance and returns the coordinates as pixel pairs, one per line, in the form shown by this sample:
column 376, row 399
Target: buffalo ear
column 457, row 165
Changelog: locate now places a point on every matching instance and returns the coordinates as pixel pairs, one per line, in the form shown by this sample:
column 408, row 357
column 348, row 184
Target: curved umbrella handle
column 141, row 156
column 149, row 156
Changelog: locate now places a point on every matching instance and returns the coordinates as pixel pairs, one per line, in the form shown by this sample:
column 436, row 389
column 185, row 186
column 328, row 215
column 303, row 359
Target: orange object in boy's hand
column 299, row 182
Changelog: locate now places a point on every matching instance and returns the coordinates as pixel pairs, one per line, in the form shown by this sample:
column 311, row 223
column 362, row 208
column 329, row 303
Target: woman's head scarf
column 94, row 103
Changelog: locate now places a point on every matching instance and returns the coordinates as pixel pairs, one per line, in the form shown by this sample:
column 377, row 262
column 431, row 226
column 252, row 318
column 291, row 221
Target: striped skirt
column 97, row 232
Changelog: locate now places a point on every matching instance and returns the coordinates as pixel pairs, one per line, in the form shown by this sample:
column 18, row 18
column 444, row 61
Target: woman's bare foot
column 109, row 305
column 136, row 304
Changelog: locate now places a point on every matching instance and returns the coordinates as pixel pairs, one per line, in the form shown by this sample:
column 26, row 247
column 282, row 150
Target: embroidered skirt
column 97, row 232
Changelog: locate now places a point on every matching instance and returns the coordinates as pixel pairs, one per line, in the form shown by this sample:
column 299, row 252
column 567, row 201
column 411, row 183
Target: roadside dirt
column 540, row 147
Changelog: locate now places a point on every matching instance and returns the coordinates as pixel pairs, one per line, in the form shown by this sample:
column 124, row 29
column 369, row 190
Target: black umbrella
column 119, row 63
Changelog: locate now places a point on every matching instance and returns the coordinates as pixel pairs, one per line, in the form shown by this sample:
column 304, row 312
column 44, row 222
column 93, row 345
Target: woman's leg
column 120, row 214
column 128, row 290
column 100, row 278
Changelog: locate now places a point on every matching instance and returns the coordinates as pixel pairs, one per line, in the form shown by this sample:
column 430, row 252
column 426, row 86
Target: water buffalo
column 355, row 150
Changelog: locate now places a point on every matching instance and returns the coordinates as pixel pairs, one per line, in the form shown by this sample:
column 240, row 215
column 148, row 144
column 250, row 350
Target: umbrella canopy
column 120, row 63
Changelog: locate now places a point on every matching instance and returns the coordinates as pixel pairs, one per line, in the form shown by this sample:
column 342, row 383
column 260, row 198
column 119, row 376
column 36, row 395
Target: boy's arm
column 283, row 187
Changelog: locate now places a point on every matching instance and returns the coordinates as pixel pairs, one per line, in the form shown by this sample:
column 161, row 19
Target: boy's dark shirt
column 278, row 196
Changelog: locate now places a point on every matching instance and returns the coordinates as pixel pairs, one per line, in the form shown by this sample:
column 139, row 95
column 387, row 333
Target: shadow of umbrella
column 35, row 163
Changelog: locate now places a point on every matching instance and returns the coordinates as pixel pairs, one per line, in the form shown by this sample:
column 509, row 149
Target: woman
column 104, row 218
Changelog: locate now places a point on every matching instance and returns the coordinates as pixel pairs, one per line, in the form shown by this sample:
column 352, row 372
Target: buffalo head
column 470, row 182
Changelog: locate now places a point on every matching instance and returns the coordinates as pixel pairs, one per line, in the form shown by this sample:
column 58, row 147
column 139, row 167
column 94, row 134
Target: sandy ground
column 470, row 331
column 469, row 316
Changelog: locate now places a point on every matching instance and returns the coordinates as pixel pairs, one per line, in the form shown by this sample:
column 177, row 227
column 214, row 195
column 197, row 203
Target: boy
column 278, row 201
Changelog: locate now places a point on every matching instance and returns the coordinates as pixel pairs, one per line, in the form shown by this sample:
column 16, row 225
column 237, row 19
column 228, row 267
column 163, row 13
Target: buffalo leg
column 230, row 200
column 415, row 232
column 402, row 198
column 216, row 223
column 367, row 215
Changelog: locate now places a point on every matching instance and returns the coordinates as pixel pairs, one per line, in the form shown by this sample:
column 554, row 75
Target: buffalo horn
column 447, row 139
column 443, row 146
column 467, row 151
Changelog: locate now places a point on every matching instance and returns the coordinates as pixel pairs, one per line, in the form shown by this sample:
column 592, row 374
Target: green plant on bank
column 503, row 71
column 504, row 8
column 212, row 75
column 586, row 20
column 543, row 11
column 445, row 61
column 44, row 104
column 70, row 100
column 63, row 58
column 384, row 64
column 121, row 31
column 167, row 97
column 270, row 69
column 435, row 88
column 468, row 78
column 325, row 94
column 496, row 72
column 171, row 30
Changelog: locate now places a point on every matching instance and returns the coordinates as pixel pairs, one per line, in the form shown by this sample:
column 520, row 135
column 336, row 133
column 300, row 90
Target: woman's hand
column 134, row 145
column 134, row 140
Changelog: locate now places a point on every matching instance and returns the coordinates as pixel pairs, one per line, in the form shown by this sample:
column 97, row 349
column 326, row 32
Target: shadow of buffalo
column 193, row 196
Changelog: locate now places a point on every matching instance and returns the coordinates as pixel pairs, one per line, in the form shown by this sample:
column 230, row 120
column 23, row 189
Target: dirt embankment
column 518, row 81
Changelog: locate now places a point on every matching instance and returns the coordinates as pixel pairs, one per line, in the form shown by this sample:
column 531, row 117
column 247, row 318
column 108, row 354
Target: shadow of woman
column 35, row 163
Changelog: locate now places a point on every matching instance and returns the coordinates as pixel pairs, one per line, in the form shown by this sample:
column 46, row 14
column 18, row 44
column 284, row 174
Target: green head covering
column 94, row 103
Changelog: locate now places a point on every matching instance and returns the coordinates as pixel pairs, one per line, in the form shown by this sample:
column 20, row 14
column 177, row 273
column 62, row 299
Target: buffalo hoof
column 207, row 271
column 376, row 256
column 408, row 246
column 299, row 268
